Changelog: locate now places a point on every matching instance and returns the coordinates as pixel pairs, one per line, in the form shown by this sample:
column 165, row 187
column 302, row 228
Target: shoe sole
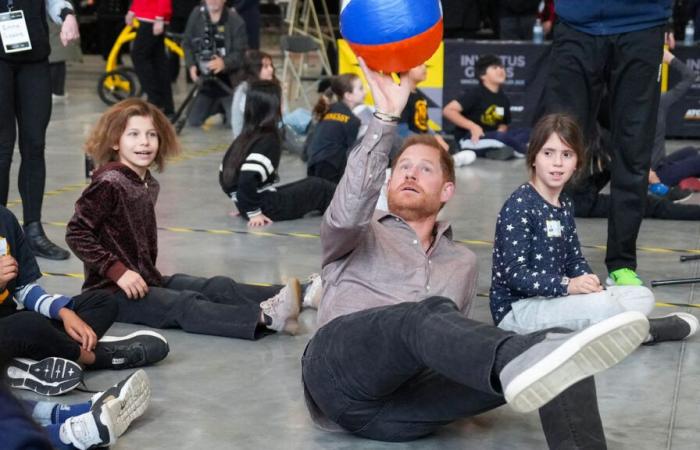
column 132, row 335
column 134, row 397
column 50, row 376
column 291, row 325
column 588, row 352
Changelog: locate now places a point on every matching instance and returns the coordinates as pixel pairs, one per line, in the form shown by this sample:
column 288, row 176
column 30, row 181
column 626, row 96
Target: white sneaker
column 314, row 291
column 92, row 429
column 464, row 158
column 133, row 394
column 283, row 309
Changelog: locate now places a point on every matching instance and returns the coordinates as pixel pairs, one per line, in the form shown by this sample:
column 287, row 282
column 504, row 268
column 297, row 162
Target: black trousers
column 400, row 372
column 657, row 208
column 216, row 306
column 58, row 77
column 294, row 200
column 28, row 334
column 151, row 65
column 25, row 105
column 327, row 171
column 627, row 65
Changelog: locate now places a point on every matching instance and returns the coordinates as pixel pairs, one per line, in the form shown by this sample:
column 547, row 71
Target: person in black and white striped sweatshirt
column 248, row 172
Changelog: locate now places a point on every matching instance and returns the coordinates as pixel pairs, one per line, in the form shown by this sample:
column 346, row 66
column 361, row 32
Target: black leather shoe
column 41, row 245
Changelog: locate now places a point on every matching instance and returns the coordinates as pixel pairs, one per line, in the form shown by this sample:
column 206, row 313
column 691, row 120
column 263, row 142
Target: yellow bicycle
column 118, row 83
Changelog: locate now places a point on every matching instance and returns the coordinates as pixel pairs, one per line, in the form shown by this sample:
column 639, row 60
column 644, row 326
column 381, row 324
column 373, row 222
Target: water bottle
column 537, row 32
column 689, row 33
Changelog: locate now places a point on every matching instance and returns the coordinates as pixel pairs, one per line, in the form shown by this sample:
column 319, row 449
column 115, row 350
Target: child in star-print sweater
column 540, row 278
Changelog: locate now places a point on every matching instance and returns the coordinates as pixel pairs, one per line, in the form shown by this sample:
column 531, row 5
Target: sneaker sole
column 132, row 335
column 50, row 376
column 134, row 396
column 593, row 350
column 291, row 325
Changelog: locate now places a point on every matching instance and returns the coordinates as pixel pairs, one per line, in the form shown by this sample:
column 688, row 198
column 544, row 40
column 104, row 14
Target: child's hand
column 584, row 284
column 476, row 133
column 8, row 270
column 133, row 285
column 259, row 221
column 78, row 329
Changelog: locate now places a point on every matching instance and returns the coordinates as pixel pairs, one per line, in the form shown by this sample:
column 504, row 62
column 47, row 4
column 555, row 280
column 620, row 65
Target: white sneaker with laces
column 133, row 394
column 92, row 429
column 314, row 291
column 283, row 309
column 464, row 158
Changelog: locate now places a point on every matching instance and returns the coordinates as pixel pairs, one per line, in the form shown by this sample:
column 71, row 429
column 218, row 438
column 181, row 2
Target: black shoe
column 500, row 154
column 678, row 195
column 137, row 349
column 50, row 376
column 673, row 327
column 41, row 245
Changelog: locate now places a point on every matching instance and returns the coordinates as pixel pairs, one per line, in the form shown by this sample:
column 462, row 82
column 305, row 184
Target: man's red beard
column 409, row 207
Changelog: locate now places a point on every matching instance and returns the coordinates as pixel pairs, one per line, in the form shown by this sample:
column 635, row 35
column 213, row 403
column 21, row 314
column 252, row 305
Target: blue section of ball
column 372, row 22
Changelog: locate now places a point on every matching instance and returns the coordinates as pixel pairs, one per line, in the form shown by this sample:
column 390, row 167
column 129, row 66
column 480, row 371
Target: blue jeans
column 400, row 372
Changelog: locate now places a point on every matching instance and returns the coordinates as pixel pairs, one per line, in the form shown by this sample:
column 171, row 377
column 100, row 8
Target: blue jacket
column 606, row 17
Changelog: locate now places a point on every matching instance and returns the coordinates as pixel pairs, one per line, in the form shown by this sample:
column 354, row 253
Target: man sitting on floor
column 395, row 357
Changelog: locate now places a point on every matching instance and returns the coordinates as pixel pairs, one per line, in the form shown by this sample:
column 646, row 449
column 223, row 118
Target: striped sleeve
column 34, row 298
column 260, row 164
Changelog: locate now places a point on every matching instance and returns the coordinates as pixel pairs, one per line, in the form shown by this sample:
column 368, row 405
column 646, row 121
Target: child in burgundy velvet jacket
column 113, row 231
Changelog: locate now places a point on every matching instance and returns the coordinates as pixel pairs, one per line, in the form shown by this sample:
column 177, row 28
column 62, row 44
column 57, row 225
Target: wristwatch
column 565, row 281
column 64, row 13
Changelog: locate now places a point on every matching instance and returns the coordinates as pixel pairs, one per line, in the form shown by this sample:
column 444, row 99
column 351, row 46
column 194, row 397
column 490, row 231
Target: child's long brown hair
column 111, row 125
column 568, row 130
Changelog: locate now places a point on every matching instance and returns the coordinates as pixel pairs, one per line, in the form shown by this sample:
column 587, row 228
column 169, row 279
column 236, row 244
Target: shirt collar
column 443, row 227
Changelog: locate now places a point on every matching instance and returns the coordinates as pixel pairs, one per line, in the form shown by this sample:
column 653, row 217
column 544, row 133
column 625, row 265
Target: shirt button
column 427, row 288
column 415, row 241
column 375, row 136
column 430, row 261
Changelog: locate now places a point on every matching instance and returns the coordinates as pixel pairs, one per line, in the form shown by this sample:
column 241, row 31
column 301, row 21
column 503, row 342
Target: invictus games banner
column 683, row 119
column 526, row 73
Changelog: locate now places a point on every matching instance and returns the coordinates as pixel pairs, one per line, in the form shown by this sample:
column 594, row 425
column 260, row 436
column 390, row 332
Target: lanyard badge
column 13, row 30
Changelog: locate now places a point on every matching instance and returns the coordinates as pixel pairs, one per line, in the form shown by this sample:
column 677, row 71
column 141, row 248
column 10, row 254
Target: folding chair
column 295, row 50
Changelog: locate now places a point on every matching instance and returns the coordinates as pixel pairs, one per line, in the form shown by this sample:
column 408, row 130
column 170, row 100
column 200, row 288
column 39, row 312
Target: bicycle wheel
column 115, row 86
column 135, row 78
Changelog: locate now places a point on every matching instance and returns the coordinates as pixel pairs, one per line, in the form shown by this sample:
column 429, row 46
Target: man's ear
column 448, row 190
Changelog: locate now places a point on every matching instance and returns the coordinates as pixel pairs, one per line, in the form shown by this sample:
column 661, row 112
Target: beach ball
column 392, row 35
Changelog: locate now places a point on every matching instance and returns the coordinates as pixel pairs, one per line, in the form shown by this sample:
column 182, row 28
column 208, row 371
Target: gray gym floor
column 225, row 393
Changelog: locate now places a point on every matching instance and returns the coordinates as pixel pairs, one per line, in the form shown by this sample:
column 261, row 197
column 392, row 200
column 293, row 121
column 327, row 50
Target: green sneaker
column 623, row 277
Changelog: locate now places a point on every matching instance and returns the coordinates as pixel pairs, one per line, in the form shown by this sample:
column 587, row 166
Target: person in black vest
column 25, row 96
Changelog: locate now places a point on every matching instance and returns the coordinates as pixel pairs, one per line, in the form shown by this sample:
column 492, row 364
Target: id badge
column 14, row 33
column 553, row 228
column 3, row 246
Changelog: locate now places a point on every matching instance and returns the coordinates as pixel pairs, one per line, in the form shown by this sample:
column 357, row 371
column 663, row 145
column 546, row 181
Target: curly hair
column 103, row 138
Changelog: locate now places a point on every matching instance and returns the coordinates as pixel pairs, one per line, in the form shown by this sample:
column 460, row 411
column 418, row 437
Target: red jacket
column 150, row 10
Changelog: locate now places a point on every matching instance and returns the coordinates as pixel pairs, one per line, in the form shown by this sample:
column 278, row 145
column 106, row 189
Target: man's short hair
column 447, row 164
column 484, row 62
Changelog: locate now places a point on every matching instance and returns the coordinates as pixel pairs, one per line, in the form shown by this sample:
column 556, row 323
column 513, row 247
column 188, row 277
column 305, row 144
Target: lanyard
column 10, row 4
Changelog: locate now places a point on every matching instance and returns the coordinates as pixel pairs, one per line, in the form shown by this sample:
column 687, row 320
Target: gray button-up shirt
column 374, row 258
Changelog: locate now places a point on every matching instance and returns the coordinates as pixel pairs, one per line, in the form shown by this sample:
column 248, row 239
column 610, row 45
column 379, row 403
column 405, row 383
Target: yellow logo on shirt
column 337, row 117
column 420, row 117
column 493, row 115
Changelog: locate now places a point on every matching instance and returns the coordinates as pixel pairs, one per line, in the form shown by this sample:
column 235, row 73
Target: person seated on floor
column 395, row 356
column 585, row 188
column 540, row 278
column 257, row 65
column 214, row 42
column 113, row 231
column 50, row 335
column 98, row 422
column 248, row 172
column 682, row 167
column 337, row 129
column 482, row 115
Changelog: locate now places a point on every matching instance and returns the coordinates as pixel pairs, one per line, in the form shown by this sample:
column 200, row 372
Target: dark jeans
column 58, row 77
column 151, row 65
column 28, row 334
column 400, row 372
column 325, row 170
column 295, row 200
column 517, row 138
column 657, row 208
column 216, row 306
column 205, row 105
column 581, row 67
column 680, row 164
column 516, row 27
column 25, row 105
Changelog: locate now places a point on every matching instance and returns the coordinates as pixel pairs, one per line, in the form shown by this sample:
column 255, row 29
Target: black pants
column 294, row 200
column 25, row 105
column 216, row 306
column 657, row 208
column 683, row 163
column 582, row 66
column 400, row 372
column 58, row 78
column 327, row 171
column 28, row 334
column 151, row 65
column 516, row 27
